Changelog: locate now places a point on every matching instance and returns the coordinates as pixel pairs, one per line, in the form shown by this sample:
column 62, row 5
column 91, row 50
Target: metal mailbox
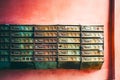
column 51, row 46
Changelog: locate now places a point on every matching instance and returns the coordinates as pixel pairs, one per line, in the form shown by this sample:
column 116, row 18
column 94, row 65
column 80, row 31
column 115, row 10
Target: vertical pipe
column 111, row 53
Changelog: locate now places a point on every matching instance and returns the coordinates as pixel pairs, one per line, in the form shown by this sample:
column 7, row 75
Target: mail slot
column 86, row 41
column 4, row 46
column 45, row 58
column 93, row 34
column 22, row 40
column 4, row 28
column 92, row 59
column 4, row 59
column 4, row 34
column 22, row 46
column 69, row 58
column 45, row 52
column 69, row 34
column 21, row 59
column 45, row 40
column 45, row 34
column 69, row 40
column 69, row 46
column 45, row 46
column 4, row 52
column 4, row 40
column 21, row 52
column 69, row 28
column 69, row 52
column 21, row 28
column 92, row 47
column 22, row 34
column 92, row 28
column 45, row 28
column 92, row 53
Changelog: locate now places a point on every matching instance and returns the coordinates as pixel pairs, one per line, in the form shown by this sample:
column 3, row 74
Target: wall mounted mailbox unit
column 51, row 46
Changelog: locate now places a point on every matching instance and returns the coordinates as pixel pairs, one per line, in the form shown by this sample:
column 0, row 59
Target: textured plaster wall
column 117, row 39
column 56, row 12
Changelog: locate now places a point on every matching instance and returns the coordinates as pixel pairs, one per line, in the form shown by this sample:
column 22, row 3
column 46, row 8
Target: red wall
column 117, row 39
column 57, row 12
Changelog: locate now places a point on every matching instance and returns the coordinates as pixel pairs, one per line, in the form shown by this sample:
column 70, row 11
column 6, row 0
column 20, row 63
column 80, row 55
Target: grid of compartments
column 51, row 46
